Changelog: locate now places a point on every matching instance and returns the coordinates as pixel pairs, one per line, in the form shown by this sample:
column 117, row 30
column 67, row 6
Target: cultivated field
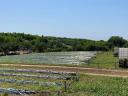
column 56, row 58
column 24, row 82
column 52, row 82
column 84, row 59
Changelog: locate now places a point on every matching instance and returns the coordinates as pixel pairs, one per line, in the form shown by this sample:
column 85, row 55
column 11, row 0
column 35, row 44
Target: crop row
column 30, row 82
column 50, row 58
column 16, row 91
column 38, row 71
column 41, row 76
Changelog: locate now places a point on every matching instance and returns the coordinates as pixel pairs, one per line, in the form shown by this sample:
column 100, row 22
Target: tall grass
column 104, row 60
column 99, row 86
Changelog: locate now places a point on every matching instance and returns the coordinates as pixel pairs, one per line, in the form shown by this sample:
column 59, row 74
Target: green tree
column 116, row 41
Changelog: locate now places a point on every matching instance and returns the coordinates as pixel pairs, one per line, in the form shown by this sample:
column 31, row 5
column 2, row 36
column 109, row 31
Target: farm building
column 123, row 57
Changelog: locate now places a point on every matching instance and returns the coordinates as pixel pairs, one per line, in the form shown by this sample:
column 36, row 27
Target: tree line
column 34, row 43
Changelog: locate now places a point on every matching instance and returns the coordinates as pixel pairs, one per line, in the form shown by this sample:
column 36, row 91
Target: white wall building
column 123, row 53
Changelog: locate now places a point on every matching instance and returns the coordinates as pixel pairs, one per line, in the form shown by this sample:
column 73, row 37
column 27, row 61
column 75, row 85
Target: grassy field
column 104, row 60
column 99, row 86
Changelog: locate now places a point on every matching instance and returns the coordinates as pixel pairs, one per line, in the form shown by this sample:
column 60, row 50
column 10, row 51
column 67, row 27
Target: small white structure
column 123, row 57
column 123, row 53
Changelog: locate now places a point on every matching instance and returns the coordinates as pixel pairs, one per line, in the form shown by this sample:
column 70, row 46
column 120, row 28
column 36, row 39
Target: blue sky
column 92, row 19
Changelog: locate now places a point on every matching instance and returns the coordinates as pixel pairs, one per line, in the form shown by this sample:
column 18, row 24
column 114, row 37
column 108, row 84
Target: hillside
column 10, row 43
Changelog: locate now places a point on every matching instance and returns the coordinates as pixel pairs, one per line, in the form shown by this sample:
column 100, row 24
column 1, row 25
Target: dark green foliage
column 20, row 41
column 123, row 63
column 116, row 41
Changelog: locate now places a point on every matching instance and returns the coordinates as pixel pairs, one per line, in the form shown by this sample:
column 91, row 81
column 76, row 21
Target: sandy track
column 90, row 71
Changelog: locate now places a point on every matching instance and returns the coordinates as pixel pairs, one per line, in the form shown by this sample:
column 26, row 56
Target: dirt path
column 90, row 71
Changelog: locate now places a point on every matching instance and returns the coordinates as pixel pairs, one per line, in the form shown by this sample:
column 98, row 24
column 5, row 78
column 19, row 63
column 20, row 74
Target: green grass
column 29, row 87
column 87, row 86
column 104, row 60
column 99, row 86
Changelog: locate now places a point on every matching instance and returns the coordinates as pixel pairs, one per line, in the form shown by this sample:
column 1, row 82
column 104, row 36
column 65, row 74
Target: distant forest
column 20, row 41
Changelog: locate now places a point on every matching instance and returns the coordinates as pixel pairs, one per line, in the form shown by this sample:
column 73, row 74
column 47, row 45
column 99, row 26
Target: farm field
column 56, row 58
column 36, row 78
column 81, row 59
column 105, row 60
column 32, row 81
column 64, row 48
column 87, row 85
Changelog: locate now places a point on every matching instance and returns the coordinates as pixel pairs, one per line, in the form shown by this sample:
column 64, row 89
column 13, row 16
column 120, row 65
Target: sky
column 89, row 19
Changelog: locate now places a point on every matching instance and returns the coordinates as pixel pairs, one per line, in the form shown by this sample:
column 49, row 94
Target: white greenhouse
column 123, row 57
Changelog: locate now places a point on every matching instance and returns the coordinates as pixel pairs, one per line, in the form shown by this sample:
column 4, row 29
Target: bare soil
column 91, row 71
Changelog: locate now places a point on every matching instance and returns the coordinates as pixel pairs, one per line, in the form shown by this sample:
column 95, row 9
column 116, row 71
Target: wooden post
column 115, row 65
column 59, row 93
column 77, row 76
column 65, row 86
